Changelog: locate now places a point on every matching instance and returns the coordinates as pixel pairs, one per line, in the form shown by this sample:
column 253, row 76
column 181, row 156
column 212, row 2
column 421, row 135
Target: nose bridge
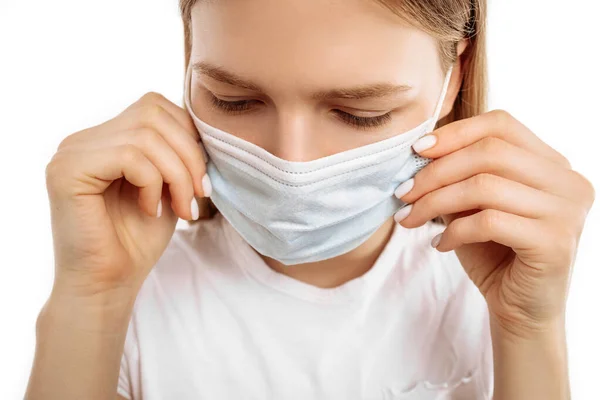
column 294, row 135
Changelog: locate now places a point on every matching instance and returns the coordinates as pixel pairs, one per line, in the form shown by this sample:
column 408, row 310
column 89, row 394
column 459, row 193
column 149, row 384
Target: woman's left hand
column 514, row 211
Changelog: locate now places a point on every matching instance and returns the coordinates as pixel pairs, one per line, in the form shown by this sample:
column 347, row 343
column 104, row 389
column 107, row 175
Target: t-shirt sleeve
column 129, row 365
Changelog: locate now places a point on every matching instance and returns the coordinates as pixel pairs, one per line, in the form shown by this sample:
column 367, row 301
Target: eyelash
column 231, row 107
column 240, row 106
column 364, row 122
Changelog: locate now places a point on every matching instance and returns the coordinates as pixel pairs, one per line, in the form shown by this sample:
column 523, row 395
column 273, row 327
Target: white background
column 70, row 64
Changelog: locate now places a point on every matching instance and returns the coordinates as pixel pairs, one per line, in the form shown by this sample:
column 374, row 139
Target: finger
column 116, row 124
column 156, row 112
column 158, row 151
column 484, row 191
column 100, row 167
column 180, row 139
column 519, row 233
column 181, row 115
column 178, row 113
column 535, row 242
column 498, row 123
column 497, row 157
column 170, row 165
column 102, row 137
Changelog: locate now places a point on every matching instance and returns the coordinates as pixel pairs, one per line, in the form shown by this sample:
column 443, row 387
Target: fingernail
column 206, row 186
column 404, row 188
column 159, row 209
column 195, row 209
column 425, row 143
column 436, row 240
column 403, row 213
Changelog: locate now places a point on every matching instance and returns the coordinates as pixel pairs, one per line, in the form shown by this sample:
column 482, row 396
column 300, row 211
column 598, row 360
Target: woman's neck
column 338, row 270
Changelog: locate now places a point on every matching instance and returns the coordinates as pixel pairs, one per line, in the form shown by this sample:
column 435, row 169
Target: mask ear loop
column 441, row 99
column 187, row 100
column 418, row 161
column 187, row 91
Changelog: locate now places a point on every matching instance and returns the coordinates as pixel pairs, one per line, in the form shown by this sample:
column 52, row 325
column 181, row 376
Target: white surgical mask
column 300, row 212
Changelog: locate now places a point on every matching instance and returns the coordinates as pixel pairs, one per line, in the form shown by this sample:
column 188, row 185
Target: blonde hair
column 449, row 21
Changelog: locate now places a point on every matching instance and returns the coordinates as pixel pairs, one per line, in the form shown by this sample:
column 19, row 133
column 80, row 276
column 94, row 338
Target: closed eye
column 364, row 122
column 241, row 106
column 233, row 107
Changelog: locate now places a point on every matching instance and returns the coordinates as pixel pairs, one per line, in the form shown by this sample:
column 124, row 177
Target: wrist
column 106, row 312
column 530, row 364
column 518, row 334
column 79, row 339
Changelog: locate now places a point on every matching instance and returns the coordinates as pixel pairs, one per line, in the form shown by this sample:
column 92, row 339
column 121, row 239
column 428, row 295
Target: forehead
column 311, row 40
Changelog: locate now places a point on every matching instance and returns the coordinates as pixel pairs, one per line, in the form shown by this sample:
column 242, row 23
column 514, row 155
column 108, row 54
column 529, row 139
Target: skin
column 106, row 185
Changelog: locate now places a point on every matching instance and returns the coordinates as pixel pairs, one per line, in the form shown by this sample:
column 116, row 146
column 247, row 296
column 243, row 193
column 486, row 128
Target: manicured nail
column 404, row 188
column 403, row 213
column 436, row 240
column 425, row 143
column 206, row 185
column 195, row 209
column 159, row 209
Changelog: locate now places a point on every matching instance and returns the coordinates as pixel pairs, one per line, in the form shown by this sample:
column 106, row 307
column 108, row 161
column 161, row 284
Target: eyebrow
column 219, row 74
column 353, row 93
column 363, row 92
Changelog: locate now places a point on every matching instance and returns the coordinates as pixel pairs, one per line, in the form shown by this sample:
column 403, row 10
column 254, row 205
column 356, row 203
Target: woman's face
column 305, row 79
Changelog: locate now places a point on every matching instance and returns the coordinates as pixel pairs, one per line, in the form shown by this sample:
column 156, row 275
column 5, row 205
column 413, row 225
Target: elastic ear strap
column 186, row 89
column 440, row 103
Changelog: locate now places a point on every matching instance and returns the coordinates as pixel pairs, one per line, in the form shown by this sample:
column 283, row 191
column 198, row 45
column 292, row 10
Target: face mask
column 300, row 212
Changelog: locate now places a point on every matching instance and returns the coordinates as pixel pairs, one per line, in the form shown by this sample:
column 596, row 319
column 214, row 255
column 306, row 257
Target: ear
column 455, row 80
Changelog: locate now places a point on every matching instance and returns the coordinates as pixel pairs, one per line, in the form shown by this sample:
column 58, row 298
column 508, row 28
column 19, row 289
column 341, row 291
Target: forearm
column 78, row 349
column 530, row 368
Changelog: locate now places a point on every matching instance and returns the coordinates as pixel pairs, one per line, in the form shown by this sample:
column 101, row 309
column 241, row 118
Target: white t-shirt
column 212, row 321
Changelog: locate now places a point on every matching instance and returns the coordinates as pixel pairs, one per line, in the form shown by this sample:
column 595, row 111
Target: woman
column 322, row 274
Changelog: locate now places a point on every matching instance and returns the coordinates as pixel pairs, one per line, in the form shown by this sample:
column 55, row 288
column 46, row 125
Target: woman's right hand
column 108, row 186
